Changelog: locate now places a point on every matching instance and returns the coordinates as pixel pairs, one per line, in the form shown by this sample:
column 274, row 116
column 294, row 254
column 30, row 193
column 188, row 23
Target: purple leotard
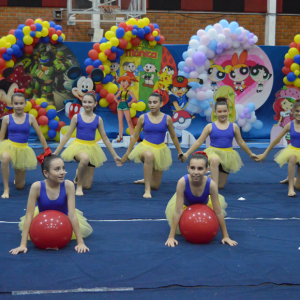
column 295, row 136
column 155, row 133
column 60, row 204
column 18, row 133
column 221, row 138
column 190, row 199
column 86, row 131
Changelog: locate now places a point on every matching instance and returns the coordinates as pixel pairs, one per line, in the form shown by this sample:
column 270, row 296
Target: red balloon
column 135, row 41
column 286, row 70
column 113, row 106
column 32, row 27
column 12, row 31
column 112, row 56
column 29, row 22
column 51, row 31
column 37, row 107
column 89, row 69
column 162, row 39
column 110, row 98
column 151, row 26
column 35, row 40
column 103, row 93
column 134, row 121
column 123, row 43
column 50, row 229
column 107, row 52
column 123, row 25
column 151, row 38
column 42, row 120
column 53, row 42
column 2, row 50
column 93, row 54
column 58, row 32
column 147, row 36
column 198, row 224
column 28, row 49
column 42, row 112
column 32, row 101
column 288, row 62
column 96, row 47
column 99, row 87
column 2, row 63
column 293, row 45
column 101, row 67
column 60, row 125
column 129, row 27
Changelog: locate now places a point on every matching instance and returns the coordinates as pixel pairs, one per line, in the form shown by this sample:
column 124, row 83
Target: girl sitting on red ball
column 54, row 193
column 195, row 188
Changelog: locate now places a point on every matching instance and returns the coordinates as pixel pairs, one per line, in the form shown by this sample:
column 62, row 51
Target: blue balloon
column 213, row 45
column 181, row 73
column 291, row 77
column 39, row 27
column 134, row 31
column 19, row 54
column 208, row 27
column 135, row 27
column 53, row 124
column 51, row 114
column 19, row 34
column 20, row 44
column 52, row 24
column 194, row 85
column 194, row 37
column 58, row 27
column 106, row 79
column 103, row 40
column 204, row 104
column 155, row 26
column 120, row 52
column 32, row 34
column 88, row 62
column 184, row 55
column 114, row 49
column 9, row 51
column 6, row 56
column 257, row 124
column 140, row 33
column 60, row 39
column 157, row 38
column 238, row 31
column 297, row 59
column 181, row 65
column 44, row 104
column 202, row 114
column 147, row 29
column 251, row 107
column 142, row 135
column 98, row 97
column 233, row 26
column 21, row 26
column 51, row 133
column 110, row 77
column 46, row 39
column 97, row 63
column 194, row 101
column 120, row 32
column 224, row 23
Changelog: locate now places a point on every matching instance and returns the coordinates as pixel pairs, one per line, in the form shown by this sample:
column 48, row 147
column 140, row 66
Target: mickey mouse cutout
column 80, row 86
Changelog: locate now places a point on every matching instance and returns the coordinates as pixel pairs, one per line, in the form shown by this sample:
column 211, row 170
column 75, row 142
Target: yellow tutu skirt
column 162, row 155
column 172, row 204
column 283, row 156
column 85, row 227
column 229, row 158
column 22, row 156
column 91, row 148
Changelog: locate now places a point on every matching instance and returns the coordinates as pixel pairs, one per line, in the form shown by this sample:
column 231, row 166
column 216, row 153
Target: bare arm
column 4, row 125
column 173, row 134
column 37, row 129
column 117, row 96
column 67, row 135
column 32, row 198
column 240, row 141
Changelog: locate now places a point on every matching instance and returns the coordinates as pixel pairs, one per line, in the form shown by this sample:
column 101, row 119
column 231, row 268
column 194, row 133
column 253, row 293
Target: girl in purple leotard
column 54, row 193
column 196, row 188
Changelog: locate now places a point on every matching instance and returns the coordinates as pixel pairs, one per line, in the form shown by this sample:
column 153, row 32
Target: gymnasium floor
column 128, row 259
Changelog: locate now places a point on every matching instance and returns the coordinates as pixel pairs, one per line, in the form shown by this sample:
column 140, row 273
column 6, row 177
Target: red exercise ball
column 198, row 224
column 50, row 229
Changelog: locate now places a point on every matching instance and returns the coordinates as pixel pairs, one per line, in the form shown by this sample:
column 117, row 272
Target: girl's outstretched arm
column 33, row 195
column 4, row 125
column 171, row 242
column 286, row 129
column 37, row 129
column 108, row 143
column 70, row 190
column 173, row 135
column 67, row 135
column 213, row 190
column 134, row 139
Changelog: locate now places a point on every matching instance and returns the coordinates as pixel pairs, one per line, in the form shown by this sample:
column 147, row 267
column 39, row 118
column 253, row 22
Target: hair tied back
column 200, row 152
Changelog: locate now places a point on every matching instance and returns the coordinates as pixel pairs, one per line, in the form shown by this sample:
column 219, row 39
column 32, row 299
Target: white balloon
column 246, row 46
column 207, row 85
column 218, row 27
column 203, row 77
column 203, row 49
column 226, row 32
column 208, row 119
column 201, row 96
column 247, row 127
column 210, row 53
column 221, row 38
column 255, row 38
column 241, row 122
column 212, row 33
column 209, row 94
column 207, row 64
column 200, row 69
column 252, row 119
column 235, row 44
column 191, row 94
column 194, row 74
column 191, row 52
column 194, row 44
column 239, row 108
column 200, row 33
column 208, row 112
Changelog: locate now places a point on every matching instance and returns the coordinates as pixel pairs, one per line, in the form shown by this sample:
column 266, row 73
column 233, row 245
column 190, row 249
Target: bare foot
column 287, row 181
column 79, row 191
column 147, row 195
column 291, row 192
column 141, row 181
column 76, row 177
column 5, row 194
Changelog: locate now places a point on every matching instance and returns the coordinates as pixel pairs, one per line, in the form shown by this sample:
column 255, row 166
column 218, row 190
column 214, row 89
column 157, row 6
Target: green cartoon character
column 61, row 65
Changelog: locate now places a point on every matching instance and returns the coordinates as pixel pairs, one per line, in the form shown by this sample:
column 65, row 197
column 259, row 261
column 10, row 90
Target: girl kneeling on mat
column 188, row 188
column 54, row 193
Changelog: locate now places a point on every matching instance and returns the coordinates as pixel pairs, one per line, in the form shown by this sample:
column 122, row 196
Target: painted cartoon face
column 179, row 91
column 215, row 75
column 125, row 84
column 114, row 67
column 150, row 68
column 84, row 85
column 169, row 70
column 130, row 67
column 286, row 105
column 239, row 74
column 258, row 74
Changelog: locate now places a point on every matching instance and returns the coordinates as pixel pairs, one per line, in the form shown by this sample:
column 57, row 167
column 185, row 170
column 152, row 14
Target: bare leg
column 148, row 170
column 121, row 125
column 84, row 160
column 76, row 177
column 156, row 179
column 129, row 122
column 291, row 175
column 214, row 163
column 5, row 159
column 297, row 180
column 88, row 178
column 222, row 179
column 20, row 179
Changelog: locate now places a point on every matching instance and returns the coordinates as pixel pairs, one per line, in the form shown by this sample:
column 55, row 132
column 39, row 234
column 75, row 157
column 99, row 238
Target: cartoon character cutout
column 216, row 73
column 164, row 80
column 239, row 71
column 170, row 71
column 177, row 93
column 130, row 69
column 114, row 67
column 149, row 75
column 260, row 74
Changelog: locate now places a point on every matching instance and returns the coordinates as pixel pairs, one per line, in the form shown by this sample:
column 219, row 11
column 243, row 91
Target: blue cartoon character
column 216, row 73
column 177, row 93
column 80, row 86
column 260, row 74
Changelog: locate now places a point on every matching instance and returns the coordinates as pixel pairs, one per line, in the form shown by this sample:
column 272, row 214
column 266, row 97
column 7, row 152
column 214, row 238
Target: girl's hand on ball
column 18, row 250
column 229, row 241
column 171, row 242
column 81, row 247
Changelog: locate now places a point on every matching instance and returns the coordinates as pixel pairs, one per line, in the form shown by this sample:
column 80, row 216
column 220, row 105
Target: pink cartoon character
column 239, row 71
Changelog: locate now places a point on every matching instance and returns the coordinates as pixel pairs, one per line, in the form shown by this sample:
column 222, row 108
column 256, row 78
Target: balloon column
column 246, row 117
column 292, row 63
column 46, row 116
column 203, row 47
column 25, row 37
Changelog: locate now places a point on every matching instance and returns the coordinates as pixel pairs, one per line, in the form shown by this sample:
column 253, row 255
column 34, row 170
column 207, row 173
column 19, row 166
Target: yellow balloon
column 292, row 52
column 7, row 45
column 108, row 45
column 98, row 136
column 146, row 21
column 132, row 112
column 114, row 28
column 103, row 102
column 114, row 41
column 286, row 81
column 107, row 63
column 102, row 57
column 28, row 106
column 141, row 23
column 63, row 36
column 106, row 69
column 10, row 63
column 44, row 32
column 38, row 21
column 132, row 21
column 38, row 101
column 57, row 137
column 111, row 88
column 33, row 112
column 46, row 136
column 155, row 33
column 65, row 129
column 28, row 40
column 43, row 100
column 294, row 67
column 297, row 82
column 140, row 106
column 50, row 107
column 134, row 106
column 44, row 129
column 152, row 43
column 109, row 35
column 103, row 47
column 26, row 30
column 297, row 72
column 11, row 39
column 297, row 38
column 129, row 46
column 46, row 24
column 54, row 37
column 38, row 34
column 56, row 118
column 128, row 131
column 287, row 56
column 2, row 43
